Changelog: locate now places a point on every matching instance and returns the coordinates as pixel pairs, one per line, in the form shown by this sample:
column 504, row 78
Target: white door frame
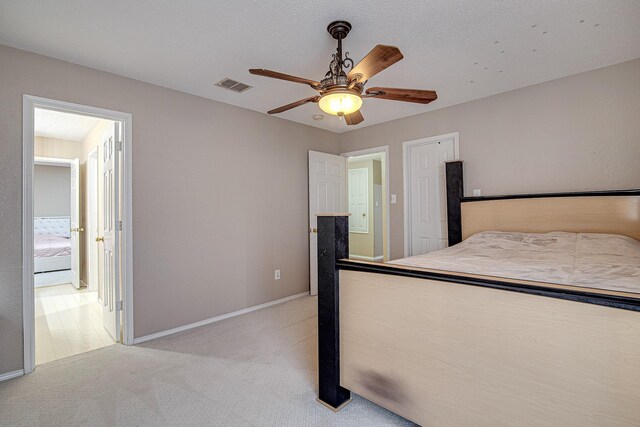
column 405, row 176
column 29, row 104
column 383, row 149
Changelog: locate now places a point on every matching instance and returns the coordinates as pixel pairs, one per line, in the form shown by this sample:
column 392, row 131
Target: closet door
column 426, row 195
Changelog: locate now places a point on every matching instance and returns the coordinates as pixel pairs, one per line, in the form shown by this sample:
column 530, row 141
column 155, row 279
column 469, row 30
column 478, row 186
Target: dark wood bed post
column 455, row 193
column 333, row 244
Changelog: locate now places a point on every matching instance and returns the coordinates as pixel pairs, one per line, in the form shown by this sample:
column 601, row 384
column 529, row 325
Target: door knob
column 100, row 239
column 363, row 215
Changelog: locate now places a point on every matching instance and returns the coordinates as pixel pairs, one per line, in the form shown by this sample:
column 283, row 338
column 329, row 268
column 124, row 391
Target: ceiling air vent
column 233, row 85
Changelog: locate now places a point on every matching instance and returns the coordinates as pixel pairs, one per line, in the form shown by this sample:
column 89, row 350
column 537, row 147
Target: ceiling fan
column 341, row 93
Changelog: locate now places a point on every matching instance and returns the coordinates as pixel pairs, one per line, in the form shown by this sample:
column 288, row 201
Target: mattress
column 601, row 261
column 50, row 245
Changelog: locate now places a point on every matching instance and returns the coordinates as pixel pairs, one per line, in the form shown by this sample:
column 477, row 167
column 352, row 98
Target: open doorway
column 76, row 201
column 367, row 190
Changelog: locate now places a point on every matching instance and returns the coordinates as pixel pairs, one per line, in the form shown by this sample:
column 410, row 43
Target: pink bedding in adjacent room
column 49, row 245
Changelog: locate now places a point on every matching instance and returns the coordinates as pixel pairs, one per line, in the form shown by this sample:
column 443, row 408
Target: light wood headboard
column 611, row 212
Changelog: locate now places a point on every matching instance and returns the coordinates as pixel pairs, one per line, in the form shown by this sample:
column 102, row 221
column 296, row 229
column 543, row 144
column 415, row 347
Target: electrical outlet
column 477, row 192
column 277, row 275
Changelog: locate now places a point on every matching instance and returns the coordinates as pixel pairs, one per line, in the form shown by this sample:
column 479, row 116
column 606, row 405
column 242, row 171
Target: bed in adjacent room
column 530, row 317
column 52, row 250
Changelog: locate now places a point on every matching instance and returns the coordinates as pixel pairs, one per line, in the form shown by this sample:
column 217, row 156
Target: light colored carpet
column 258, row 369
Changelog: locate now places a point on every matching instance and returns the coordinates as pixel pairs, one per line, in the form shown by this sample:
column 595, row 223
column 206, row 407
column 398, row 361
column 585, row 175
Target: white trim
column 29, row 104
column 382, row 149
column 215, row 319
column 52, row 161
column 28, row 294
column 12, row 374
column 405, row 166
column 366, row 258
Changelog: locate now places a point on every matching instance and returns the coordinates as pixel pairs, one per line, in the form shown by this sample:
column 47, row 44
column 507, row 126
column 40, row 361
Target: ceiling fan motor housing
column 339, row 29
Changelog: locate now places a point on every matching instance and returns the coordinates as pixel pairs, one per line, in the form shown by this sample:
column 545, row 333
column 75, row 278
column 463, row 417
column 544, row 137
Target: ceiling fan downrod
column 339, row 30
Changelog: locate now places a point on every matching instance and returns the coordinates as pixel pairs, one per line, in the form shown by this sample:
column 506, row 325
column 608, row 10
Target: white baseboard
column 366, row 258
column 214, row 319
column 9, row 375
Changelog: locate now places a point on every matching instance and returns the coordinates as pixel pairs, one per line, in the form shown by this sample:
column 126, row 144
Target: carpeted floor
column 258, row 369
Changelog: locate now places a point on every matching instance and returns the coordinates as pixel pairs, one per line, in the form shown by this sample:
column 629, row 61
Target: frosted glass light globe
column 340, row 103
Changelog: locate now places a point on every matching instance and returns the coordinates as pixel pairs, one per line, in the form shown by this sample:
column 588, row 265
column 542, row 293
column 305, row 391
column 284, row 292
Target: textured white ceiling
column 464, row 49
column 55, row 124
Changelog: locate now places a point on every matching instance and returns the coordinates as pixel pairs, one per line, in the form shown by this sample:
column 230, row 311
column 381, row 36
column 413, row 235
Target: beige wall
column 377, row 234
column 51, row 190
column 576, row 133
column 219, row 197
column 57, row 148
column 220, row 193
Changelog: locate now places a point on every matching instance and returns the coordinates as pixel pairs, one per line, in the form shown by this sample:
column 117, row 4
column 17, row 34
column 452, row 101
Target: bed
column 591, row 260
column 52, row 244
column 531, row 316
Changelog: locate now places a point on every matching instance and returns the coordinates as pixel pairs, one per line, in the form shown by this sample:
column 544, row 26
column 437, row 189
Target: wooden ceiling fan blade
column 354, row 118
column 294, row 105
column 282, row 76
column 406, row 95
column 380, row 58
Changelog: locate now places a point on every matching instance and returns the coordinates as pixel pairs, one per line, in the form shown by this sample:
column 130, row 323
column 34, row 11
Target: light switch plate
column 393, row 198
column 277, row 275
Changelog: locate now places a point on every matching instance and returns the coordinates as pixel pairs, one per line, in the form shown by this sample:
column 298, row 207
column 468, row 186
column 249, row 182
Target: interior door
column 427, row 196
column 111, row 231
column 75, row 222
column 92, row 227
column 358, row 200
column 327, row 194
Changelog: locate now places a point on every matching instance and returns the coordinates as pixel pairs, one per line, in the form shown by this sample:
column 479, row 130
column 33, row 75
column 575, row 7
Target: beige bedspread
column 602, row 261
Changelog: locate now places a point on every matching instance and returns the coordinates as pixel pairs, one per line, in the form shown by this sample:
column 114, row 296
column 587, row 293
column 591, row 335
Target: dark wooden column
column 455, row 192
column 333, row 244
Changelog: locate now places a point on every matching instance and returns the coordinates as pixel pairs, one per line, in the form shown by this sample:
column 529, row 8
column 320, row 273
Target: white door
column 75, row 223
column 358, row 200
column 327, row 194
column 111, row 232
column 92, row 220
column 427, row 204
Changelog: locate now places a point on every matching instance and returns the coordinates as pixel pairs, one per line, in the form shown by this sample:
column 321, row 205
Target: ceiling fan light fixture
column 340, row 103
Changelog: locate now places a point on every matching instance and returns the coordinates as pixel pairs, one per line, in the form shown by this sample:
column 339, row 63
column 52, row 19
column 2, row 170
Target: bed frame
column 443, row 348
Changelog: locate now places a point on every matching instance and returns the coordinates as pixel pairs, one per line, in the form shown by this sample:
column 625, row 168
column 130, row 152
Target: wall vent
column 233, row 85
